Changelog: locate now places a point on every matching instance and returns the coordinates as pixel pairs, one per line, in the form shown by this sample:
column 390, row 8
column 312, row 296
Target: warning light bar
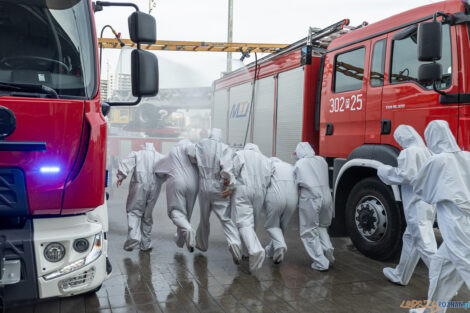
column 49, row 169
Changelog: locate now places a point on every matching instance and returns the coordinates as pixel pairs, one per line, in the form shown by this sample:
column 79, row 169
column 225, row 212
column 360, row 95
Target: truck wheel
column 374, row 219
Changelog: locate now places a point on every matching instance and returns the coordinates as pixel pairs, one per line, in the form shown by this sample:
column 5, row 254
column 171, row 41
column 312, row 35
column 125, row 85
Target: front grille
column 81, row 280
column 13, row 200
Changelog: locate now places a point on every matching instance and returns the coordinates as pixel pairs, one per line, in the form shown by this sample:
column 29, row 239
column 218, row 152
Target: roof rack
column 319, row 38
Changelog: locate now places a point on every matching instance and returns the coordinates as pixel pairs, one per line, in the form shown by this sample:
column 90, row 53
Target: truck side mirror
column 430, row 73
column 142, row 28
column 430, row 41
column 144, row 65
column 144, row 73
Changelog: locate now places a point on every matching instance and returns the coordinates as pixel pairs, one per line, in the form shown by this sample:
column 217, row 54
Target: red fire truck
column 53, row 213
column 345, row 90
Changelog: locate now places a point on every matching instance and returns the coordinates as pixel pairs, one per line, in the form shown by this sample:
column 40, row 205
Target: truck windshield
column 47, row 43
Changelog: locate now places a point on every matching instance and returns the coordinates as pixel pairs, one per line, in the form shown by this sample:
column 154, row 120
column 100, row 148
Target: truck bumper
column 80, row 281
column 75, row 273
column 85, row 277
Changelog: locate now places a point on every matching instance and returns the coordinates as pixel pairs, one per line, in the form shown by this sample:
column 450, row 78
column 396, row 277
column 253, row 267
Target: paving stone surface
column 170, row 279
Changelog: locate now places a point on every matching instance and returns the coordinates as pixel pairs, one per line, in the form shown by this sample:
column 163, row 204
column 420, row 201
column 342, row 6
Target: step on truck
column 53, row 213
column 345, row 90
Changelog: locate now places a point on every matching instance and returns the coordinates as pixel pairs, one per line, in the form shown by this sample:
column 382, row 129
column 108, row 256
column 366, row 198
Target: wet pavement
column 170, row 279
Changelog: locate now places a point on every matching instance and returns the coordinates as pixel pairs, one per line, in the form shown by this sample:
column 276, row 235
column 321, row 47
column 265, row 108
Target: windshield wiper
column 29, row 88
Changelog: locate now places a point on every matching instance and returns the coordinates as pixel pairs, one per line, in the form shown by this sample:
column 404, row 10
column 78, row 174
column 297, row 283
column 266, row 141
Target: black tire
column 382, row 244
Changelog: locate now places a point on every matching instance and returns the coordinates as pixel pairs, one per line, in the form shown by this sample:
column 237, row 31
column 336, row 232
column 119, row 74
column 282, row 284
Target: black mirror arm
column 100, row 4
column 434, row 86
column 446, row 18
column 121, row 104
column 458, row 18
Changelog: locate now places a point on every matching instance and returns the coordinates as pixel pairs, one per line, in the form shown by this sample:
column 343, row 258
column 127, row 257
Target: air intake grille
column 13, row 200
column 81, row 280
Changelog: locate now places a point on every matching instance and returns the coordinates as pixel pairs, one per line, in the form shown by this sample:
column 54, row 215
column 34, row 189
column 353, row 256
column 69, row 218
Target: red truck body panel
column 85, row 187
column 47, row 120
column 75, row 136
column 400, row 103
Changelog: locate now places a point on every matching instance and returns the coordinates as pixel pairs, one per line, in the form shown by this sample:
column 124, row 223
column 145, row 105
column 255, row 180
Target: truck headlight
column 54, row 252
column 94, row 254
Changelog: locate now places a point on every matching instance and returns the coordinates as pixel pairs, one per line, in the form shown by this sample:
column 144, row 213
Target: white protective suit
column 182, row 185
column 445, row 182
column 253, row 172
column 212, row 156
column 418, row 239
column 280, row 203
column 315, row 205
column 144, row 190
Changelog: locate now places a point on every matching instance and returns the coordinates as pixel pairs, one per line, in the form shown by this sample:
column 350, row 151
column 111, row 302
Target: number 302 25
column 354, row 103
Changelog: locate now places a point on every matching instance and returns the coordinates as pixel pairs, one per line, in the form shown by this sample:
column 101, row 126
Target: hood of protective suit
column 216, row 134
column 407, row 136
column 275, row 160
column 304, row 150
column 440, row 138
column 252, row 147
column 149, row 146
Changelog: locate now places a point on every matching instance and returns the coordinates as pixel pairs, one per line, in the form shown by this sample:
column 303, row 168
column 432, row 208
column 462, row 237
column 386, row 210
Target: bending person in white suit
column 418, row 239
column 253, row 174
column 280, row 203
column 212, row 157
column 315, row 206
column 182, row 185
column 144, row 190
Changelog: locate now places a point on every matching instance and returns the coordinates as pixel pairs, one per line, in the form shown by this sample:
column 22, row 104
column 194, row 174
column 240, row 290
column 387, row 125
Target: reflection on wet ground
column 170, row 279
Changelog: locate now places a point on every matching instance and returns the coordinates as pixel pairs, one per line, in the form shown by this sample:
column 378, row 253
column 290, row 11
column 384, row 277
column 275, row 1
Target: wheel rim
column 371, row 218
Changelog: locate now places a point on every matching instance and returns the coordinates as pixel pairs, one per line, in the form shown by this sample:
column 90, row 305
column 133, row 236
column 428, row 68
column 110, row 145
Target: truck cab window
column 349, row 70
column 378, row 64
column 405, row 62
column 48, row 43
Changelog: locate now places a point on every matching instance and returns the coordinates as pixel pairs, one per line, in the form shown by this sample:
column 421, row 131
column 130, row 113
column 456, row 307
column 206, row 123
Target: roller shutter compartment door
column 289, row 112
column 239, row 109
column 220, row 111
column 263, row 115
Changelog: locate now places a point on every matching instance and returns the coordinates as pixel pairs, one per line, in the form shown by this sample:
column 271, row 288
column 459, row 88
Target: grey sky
column 260, row 21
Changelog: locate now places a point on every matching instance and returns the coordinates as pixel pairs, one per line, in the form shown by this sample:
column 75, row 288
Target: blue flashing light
column 49, row 169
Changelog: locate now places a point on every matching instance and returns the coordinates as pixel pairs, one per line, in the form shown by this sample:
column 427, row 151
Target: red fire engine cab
column 53, row 213
column 345, row 90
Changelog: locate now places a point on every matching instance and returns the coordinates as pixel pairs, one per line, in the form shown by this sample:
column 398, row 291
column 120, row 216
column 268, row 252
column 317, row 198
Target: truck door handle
column 329, row 129
column 386, row 127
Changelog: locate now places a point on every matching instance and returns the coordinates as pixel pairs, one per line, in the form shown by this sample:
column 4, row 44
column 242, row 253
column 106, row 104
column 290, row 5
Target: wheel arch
column 362, row 163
